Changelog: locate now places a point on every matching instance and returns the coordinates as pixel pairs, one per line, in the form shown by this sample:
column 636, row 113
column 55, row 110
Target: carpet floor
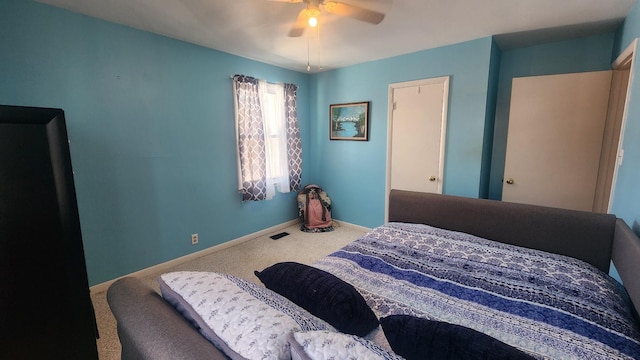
column 239, row 260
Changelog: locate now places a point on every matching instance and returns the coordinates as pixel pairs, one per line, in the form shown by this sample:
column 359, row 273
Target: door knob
column 510, row 181
column 432, row 178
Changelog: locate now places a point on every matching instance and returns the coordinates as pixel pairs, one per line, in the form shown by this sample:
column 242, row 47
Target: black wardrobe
column 45, row 306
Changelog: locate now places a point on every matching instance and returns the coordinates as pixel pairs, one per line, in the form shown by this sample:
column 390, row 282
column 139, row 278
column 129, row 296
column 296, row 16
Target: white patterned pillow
column 243, row 319
column 325, row 345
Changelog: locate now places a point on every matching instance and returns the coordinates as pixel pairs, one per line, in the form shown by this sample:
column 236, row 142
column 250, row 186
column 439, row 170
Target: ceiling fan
column 311, row 13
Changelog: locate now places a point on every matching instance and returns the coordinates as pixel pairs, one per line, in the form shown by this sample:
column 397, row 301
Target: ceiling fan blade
column 355, row 12
column 301, row 23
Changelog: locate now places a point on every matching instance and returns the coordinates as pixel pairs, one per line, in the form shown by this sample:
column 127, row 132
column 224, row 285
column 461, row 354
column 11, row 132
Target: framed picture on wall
column 349, row 121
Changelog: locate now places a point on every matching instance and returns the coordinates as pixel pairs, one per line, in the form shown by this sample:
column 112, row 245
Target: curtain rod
column 279, row 82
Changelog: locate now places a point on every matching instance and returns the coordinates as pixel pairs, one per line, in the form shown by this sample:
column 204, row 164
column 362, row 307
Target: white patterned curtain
column 252, row 171
column 294, row 144
column 269, row 151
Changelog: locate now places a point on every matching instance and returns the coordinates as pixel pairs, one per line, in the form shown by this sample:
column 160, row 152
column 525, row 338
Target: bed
column 533, row 278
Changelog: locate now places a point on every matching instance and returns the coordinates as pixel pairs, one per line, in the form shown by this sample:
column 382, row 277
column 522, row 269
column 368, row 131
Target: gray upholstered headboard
column 626, row 258
column 591, row 237
column 583, row 235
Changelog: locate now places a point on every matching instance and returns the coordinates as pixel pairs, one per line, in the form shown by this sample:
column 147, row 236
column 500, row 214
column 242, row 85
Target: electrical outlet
column 194, row 239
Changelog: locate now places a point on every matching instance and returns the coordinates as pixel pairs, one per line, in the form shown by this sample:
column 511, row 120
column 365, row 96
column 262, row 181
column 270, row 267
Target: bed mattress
column 548, row 305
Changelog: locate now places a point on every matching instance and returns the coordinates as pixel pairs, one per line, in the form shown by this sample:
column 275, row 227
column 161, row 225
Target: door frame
column 626, row 60
column 444, row 80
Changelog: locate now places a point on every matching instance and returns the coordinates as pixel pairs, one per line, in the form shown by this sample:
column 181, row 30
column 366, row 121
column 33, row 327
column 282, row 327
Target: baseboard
column 186, row 258
column 359, row 227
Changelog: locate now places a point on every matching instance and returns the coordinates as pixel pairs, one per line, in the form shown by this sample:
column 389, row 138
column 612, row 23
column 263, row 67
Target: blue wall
column 354, row 173
column 150, row 121
column 151, row 127
column 492, row 95
column 626, row 201
column 586, row 54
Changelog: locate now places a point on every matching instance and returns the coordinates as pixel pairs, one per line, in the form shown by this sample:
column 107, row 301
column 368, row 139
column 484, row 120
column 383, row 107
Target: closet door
column 417, row 126
column 554, row 141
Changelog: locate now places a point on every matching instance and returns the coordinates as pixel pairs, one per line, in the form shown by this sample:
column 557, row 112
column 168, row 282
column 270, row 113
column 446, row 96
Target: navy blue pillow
column 322, row 294
column 418, row 338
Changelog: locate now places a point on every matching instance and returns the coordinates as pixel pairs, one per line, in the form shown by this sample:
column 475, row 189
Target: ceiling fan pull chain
column 318, row 61
column 308, row 54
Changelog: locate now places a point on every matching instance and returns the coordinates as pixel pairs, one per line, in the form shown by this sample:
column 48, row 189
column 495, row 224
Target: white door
column 554, row 141
column 418, row 113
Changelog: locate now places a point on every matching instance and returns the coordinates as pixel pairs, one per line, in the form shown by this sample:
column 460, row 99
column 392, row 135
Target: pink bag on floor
column 314, row 208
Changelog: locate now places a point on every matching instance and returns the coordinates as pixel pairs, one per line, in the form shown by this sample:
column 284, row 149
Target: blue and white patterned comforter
column 551, row 306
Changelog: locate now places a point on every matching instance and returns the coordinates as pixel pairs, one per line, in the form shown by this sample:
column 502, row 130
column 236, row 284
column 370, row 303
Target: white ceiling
column 257, row 29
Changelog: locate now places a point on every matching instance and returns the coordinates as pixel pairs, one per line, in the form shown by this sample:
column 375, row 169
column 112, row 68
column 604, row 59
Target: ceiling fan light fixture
column 309, row 17
column 312, row 13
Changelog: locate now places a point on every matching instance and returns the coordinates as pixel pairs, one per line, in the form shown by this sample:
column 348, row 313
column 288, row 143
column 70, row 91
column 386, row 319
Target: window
column 275, row 127
column 268, row 138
